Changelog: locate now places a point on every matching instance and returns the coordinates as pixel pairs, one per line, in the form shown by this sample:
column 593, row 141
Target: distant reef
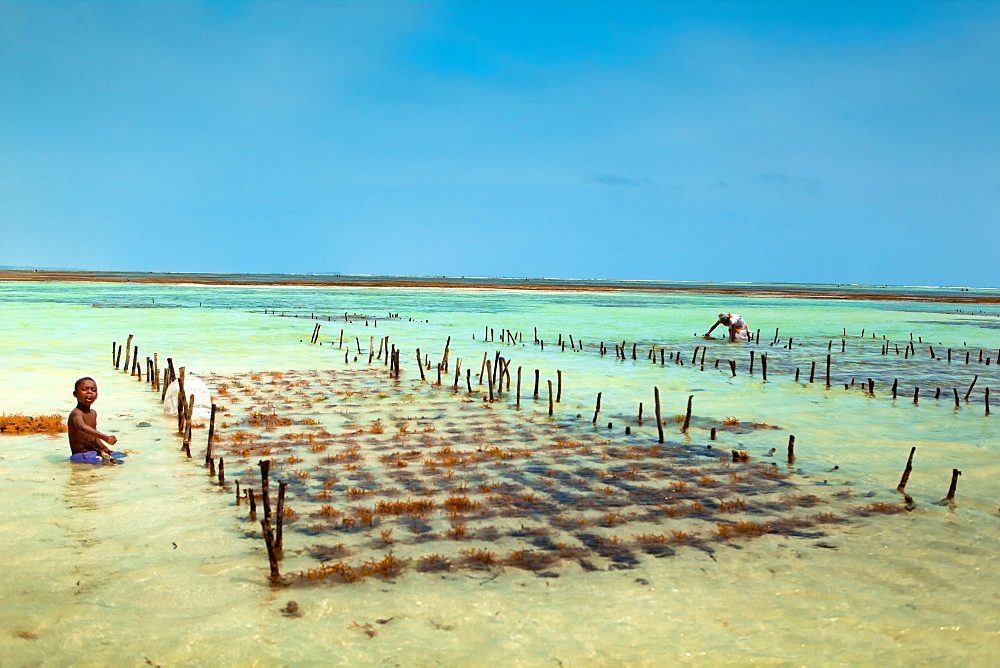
column 801, row 291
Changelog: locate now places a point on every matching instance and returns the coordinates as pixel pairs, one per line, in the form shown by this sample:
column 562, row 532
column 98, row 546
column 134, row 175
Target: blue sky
column 787, row 142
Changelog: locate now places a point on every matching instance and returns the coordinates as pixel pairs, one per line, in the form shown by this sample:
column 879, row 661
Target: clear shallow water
column 93, row 575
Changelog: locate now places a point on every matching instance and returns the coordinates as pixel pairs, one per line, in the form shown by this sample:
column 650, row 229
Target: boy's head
column 85, row 390
column 76, row 385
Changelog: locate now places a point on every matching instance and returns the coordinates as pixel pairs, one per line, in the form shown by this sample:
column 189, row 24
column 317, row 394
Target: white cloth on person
column 738, row 327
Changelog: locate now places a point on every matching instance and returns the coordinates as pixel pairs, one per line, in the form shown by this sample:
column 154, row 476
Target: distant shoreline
column 866, row 293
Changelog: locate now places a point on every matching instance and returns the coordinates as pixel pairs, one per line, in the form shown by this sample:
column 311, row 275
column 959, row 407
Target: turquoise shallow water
column 153, row 561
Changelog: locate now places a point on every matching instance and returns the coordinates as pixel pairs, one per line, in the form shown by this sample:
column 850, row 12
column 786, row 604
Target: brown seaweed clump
column 17, row 424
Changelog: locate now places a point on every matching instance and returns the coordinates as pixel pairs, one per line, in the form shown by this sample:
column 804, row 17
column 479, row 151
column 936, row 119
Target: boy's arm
column 84, row 428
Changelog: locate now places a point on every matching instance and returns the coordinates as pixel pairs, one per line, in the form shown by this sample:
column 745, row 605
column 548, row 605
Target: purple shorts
column 91, row 457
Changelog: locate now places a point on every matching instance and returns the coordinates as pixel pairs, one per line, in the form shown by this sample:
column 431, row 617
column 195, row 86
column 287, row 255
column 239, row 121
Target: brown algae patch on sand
column 17, row 424
column 386, row 475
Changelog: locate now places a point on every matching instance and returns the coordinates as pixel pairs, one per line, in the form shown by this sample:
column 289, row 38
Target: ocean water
column 610, row 547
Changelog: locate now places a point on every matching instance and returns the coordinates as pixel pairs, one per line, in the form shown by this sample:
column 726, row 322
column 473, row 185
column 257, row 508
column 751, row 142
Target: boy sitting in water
column 84, row 439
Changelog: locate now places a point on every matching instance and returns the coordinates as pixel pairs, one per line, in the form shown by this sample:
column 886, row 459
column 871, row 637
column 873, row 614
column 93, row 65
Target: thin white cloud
column 611, row 179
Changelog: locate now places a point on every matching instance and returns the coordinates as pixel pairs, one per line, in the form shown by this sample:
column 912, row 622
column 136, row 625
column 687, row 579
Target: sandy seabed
column 515, row 537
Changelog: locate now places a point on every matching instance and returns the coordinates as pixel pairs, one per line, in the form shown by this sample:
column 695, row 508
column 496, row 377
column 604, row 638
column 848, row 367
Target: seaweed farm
column 417, row 475
column 394, row 480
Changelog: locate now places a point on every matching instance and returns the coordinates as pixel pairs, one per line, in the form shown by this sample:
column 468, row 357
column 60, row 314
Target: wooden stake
column 597, row 409
column 558, row 386
column 536, row 384
column 128, row 349
column 687, row 416
column 969, row 391
column 421, row 367
column 828, row 371
column 791, row 449
column 906, row 472
column 550, row 397
column 265, row 496
column 280, row 519
column 222, row 471
column 954, row 483
column 489, row 377
column 659, row 419
column 188, row 410
column 518, row 400
column 272, row 556
column 211, row 436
